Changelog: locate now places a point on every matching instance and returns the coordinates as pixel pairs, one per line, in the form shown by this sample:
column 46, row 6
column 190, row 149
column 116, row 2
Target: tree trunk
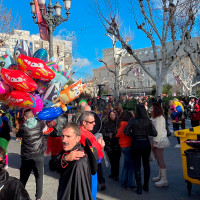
column 159, row 88
column 116, row 87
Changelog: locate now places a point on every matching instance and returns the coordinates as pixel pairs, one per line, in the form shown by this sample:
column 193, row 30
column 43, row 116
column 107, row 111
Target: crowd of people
column 77, row 148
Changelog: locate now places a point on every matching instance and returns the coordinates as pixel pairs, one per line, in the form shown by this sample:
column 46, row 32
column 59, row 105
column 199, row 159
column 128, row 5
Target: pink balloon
column 39, row 104
column 4, row 88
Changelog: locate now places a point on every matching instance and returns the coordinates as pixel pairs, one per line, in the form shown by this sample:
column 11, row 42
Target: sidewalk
column 177, row 189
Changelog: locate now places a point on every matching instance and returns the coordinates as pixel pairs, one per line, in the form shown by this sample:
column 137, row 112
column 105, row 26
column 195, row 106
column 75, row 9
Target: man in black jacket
column 75, row 172
column 32, row 150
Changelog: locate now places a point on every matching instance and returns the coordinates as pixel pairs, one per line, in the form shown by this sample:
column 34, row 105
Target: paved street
column 177, row 189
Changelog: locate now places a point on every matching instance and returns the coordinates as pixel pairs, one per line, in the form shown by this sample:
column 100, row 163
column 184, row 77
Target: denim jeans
column 127, row 177
column 94, row 186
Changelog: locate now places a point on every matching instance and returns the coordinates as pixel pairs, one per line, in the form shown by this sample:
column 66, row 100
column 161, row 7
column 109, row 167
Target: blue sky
column 83, row 22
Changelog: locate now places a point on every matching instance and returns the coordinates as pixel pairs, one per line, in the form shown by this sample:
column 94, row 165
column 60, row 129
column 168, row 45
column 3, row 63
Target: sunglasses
column 90, row 122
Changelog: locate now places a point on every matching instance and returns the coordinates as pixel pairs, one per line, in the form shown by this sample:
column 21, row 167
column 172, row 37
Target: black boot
column 146, row 179
column 138, row 182
column 145, row 188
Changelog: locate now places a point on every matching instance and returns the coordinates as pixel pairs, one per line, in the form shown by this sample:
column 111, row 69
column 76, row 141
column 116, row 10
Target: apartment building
column 62, row 48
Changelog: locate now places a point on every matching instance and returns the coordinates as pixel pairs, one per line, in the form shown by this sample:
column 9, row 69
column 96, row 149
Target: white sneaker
column 156, row 179
column 6, row 167
column 162, row 183
column 177, row 146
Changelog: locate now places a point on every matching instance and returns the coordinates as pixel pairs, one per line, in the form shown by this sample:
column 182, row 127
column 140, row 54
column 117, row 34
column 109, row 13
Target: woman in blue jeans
column 127, row 177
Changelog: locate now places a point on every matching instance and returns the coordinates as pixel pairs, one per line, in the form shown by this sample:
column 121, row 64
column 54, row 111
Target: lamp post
column 52, row 20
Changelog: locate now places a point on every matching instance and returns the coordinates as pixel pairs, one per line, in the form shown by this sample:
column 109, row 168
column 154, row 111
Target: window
column 133, row 84
column 148, row 83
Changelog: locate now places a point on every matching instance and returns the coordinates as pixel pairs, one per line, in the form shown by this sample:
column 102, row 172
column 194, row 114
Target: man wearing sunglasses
column 87, row 122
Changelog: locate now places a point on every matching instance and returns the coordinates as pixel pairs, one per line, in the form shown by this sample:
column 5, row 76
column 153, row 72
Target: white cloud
column 81, row 62
column 61, row 34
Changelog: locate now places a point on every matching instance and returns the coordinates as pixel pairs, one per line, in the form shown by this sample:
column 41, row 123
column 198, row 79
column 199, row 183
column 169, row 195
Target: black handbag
column 169, row 133
column 153, row 131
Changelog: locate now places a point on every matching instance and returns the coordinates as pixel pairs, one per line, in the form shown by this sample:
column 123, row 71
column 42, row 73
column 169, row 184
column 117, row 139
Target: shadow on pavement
column 47, row 171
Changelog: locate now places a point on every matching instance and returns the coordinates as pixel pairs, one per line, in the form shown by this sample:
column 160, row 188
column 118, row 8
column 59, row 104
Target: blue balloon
column 41, row 54
column 50, row 113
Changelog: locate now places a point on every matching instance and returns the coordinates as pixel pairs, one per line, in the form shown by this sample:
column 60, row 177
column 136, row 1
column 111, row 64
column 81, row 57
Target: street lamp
column 52, row 20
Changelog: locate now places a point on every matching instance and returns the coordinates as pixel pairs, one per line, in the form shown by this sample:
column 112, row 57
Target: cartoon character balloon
column 51, row 94
column 60, row 76
column 69, row 93
column 21, row 48
column 42, row 85
column 21, row 99
column 35, row 68
column 41, row 54
column 39, row 104
column 18, row 80
column 6, row 61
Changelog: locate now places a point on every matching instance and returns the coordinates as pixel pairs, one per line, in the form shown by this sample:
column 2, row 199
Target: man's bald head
column 87, row 108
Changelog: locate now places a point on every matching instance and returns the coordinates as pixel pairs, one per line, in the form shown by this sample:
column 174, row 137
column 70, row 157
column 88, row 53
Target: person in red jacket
column 127, row 177
column 196, row 114
column 87, row 122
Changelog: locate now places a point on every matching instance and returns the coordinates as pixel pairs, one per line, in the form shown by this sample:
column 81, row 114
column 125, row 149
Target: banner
column 42, row 24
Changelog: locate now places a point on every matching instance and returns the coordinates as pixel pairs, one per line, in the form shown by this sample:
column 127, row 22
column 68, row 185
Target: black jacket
column 109, row 131
column 140, row 127
column 58, row 126
column 11, row 188
column 33, row 141
column 75, row 177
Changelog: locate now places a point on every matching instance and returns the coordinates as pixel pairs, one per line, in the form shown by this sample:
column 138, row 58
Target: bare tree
column 7, row 23
column 185, row 74
column 119, row 71
column 168, row 22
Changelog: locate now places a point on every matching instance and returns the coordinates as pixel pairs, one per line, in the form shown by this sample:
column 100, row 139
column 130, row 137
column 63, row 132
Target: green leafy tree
column 130, row 105
column 153, row 92
column 167, row 89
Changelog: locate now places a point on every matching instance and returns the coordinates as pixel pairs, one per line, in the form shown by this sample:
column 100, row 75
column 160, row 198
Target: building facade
column 136, row 81
column 62, row 49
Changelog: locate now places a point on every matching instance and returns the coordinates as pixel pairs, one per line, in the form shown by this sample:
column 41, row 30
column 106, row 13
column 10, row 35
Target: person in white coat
column 159, row 143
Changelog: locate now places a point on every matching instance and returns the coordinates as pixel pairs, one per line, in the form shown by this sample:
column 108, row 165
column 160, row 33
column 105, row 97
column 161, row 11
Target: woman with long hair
column 159, row 143
column 140, row 128
column 112, row 148
column 127, row 177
